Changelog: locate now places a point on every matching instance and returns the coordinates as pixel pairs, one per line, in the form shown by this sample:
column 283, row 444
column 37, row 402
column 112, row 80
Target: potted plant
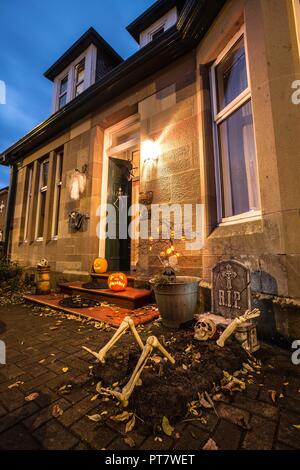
column 176, row 296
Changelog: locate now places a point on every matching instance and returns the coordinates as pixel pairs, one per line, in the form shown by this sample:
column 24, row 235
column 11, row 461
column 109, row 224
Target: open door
column 117, row 251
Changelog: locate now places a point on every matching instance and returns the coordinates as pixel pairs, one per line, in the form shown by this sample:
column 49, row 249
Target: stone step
column 130, row 298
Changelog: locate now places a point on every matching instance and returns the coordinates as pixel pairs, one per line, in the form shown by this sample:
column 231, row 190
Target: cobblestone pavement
column 39, row 348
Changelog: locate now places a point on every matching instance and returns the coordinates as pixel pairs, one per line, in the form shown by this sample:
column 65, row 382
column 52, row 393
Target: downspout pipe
column 10, row 207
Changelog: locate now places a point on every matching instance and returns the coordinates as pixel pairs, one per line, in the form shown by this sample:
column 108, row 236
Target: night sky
column 33, row 35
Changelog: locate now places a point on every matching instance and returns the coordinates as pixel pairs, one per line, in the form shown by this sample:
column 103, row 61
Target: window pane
column 231, row 75
column 158, row 33
column 45, row 171
column 62, row 101
column 56, row 212
column 79, row 73
column 238, row 163
column 41, row 215
column 63, row 86
column 79, row 89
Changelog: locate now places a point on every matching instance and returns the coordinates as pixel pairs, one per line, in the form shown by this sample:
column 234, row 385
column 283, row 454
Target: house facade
column 206, row 112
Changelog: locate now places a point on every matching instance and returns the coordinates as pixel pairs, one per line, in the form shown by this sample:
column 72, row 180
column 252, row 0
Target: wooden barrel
column 43, row 285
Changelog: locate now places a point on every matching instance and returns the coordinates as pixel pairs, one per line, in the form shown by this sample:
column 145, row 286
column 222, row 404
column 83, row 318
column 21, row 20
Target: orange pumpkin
column 100, row 265
column 117, row 282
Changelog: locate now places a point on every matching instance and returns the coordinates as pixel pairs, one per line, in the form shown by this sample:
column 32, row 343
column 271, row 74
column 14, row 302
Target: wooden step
column 130, row 298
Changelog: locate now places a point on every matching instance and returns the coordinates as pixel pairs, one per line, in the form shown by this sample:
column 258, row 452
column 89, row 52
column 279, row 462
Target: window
column 63, row 90
column 236, row 165
column 79, row 77
column 57, row 193
column 42, row 193
column 159, row 32
column 27, row 200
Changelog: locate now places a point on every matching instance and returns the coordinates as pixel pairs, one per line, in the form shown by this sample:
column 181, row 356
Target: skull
column 205, row 330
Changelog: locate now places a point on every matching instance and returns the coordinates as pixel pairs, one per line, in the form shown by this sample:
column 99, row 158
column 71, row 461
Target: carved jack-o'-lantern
column 117, row 282
column 100, row 265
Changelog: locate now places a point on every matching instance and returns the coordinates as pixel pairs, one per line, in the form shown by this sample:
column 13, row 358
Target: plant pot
column 177, row 302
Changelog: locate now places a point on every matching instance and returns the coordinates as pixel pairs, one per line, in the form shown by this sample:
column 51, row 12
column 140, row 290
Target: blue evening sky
column 33, row 34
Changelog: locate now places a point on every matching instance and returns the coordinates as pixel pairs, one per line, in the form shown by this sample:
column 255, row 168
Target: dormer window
column 159, row 32
column 63, row 90
column 79, row 77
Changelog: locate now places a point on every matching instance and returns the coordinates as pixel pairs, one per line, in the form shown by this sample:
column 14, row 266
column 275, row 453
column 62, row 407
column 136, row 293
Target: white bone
column 248, row 315
column 126, row 323
column 152, row 342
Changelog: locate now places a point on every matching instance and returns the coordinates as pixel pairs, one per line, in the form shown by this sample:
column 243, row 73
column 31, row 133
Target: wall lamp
column 150, row 151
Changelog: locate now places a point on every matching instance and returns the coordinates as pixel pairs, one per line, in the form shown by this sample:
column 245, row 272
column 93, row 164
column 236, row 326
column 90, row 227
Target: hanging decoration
column 77, row 183
column 117, row 282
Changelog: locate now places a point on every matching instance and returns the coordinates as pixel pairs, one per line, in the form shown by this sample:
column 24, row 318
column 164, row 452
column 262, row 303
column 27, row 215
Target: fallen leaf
column 96, row 418
column 104, row 413
column 210, row 445
column 56, row 411
column 130, row 425
column 129, row 441
column 203, row 402
column 158, row 439
column 32, row 396
column 42, row 361
column 184, row 367
column 121, row 417
column 65, row 369
column 286, row 384
column 16, row 384
column 167, row 428
column 273, row 394
column 297, row 426
column 94, row 397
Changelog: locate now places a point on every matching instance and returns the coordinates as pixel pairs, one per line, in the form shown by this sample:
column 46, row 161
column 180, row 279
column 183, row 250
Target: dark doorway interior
column 117, row 251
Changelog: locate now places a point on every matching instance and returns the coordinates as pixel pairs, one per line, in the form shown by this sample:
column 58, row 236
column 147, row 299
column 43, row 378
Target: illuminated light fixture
column 150, row 150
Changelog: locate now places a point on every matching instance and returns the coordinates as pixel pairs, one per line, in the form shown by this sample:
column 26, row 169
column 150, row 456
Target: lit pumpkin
column 100, row 265
column 117, row 282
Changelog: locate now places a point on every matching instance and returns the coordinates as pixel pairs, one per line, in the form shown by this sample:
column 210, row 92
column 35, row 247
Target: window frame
column 41, row 189
column 57, row 187
column 29, row 195
column 65, row 93
column 218, row 118
column 77, row 83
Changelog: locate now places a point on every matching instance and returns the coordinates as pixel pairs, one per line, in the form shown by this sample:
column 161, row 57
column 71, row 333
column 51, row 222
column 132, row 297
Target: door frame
column 110, row 151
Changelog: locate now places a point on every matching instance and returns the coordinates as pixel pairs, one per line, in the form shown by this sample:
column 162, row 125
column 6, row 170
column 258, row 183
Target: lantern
column 117, row 282
column 100, row 265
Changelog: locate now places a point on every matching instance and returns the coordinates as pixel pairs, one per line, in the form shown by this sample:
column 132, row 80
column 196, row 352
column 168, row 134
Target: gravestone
column 231, row 292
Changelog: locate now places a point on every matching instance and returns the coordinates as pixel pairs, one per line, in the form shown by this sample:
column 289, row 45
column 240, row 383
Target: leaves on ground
column 32, row 396
column 65, row 369
column 96, row 418
column 130, row 425
column 210, row 445
column 16, row 384
column 56, row 411
column 273, row 394
column 122, row 417
column 166, row 426
column 129, row 441
column 297, row 426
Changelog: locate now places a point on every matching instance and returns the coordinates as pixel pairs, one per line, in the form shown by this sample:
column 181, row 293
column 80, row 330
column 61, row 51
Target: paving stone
column 53, row 436
column 17, row 438
column 256, row 407
column 233, row 414
column 193, row 438
column 75, row 412
column 33, row 384
column 151, row 444
column 43, row 416
column 12, row 399
column 287, row 434
column 12, row 371
column 227, row 435
column 211, row 421
column 289, row 403
column 16, row 416
column 261, row 436
column 96, row 435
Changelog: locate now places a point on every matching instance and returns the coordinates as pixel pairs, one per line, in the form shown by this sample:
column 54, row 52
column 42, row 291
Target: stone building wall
column 3, row 207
